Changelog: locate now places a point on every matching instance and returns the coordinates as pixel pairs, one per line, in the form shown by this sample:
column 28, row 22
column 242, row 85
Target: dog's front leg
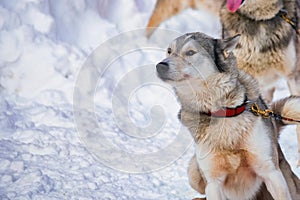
column 214, row 176
column 214, row 191
column 277, row 185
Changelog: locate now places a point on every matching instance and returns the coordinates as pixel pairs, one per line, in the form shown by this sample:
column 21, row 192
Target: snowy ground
column 62, row 121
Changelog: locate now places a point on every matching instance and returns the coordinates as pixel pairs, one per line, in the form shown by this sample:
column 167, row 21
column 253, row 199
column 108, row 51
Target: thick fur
column 269, row 47
column 236, row 158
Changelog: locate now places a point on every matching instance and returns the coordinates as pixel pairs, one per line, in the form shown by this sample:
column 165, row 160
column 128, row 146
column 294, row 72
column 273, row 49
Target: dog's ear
column 229, row 44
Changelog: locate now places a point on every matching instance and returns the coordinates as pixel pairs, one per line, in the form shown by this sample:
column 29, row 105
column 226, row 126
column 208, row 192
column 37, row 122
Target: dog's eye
column 190, row 52
column 169, row 50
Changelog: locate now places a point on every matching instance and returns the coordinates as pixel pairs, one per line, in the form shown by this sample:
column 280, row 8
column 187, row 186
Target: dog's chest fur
column 231, row 148
column 220, row 133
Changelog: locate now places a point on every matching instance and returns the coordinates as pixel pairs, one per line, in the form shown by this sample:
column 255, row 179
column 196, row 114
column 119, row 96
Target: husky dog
column 237, row 154
column 269, row 45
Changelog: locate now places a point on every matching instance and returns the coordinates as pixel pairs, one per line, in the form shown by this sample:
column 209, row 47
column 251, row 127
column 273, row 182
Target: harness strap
column 293, row 22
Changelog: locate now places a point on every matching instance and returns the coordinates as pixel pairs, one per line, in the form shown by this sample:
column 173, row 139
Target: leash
column 267, row 113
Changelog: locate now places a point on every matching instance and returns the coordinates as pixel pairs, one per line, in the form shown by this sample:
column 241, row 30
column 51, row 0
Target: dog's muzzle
column 162, row 69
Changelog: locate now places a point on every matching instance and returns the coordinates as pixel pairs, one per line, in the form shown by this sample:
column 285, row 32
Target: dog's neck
column 261, row 10
column 216, row 92
column 229, row 112
column 229, row 91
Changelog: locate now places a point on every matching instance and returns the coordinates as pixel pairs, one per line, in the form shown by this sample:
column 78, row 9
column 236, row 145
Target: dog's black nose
column 162, row 67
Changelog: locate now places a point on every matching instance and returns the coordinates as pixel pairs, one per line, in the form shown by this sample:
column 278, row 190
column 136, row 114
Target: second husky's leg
column 294, row 77
column 269, row 94
column 294, row 86
column 298, row 138
column 266, row 83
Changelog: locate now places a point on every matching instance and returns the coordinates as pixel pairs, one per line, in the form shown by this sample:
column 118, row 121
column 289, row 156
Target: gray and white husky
column 237, row 153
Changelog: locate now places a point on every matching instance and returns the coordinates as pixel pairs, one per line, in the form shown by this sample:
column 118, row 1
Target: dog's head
column 200, row 68
column 197, row 56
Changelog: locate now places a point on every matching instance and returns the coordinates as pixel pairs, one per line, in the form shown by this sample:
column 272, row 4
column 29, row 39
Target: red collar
column 229, row 112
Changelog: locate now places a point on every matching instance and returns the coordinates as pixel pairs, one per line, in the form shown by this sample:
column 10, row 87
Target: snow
column 82, row 114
